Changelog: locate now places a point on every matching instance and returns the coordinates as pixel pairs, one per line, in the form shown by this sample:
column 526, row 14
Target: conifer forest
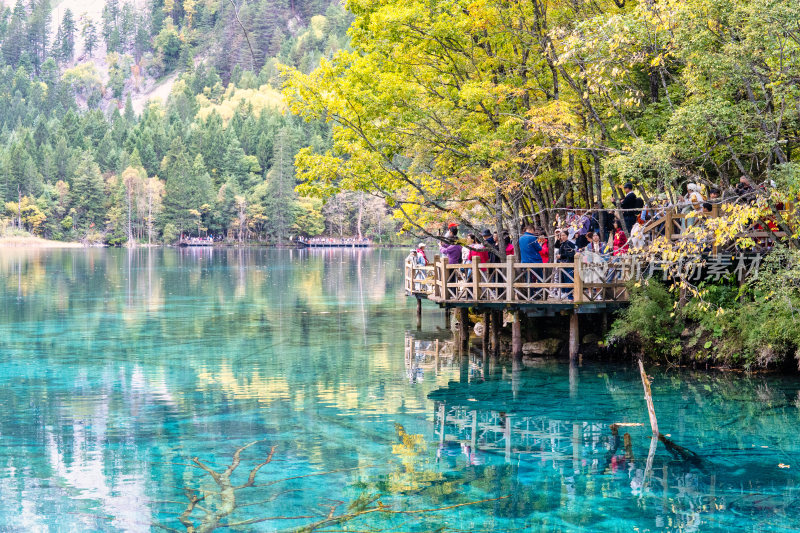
column 88, row 153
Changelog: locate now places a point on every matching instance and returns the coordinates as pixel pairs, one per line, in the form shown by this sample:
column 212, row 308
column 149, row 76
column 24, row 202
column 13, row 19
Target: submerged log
column 648, row 396
column 683, row 454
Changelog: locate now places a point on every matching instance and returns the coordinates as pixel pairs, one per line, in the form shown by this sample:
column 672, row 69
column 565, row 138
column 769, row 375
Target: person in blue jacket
column 529, row 252
column 529, row 247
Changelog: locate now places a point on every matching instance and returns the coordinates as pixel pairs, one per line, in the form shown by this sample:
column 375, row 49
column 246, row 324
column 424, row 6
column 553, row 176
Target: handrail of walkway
column 588, row 279
column 514, row 283
column 672, row 224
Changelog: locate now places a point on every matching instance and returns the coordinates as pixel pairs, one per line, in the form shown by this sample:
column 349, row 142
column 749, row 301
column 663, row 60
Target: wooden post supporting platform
column 476, row 279
column 419, row 312
column 497, row 323
column 668, row 225
column 577, row 279
column 516, row 336
column 443, row 277
column 463, row 330
column 486, row 320
column 510, row 278
column 574, row 336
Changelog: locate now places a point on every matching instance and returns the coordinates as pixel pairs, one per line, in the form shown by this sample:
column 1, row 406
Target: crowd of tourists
column 599, row 234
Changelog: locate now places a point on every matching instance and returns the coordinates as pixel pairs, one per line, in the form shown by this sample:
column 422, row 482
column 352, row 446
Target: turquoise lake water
column 119, row 367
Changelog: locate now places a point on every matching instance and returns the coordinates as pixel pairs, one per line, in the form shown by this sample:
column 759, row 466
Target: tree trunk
column 498, row 214
column 360, row 213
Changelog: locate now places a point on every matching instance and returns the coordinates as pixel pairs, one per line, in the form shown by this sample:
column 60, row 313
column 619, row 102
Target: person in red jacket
column 476, row 249
column 620, row 239
column 509, row 245
column 545, row 252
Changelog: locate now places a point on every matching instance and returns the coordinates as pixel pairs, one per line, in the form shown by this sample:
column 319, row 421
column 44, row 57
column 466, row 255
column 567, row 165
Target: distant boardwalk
column 324, row 242
column 196, row 241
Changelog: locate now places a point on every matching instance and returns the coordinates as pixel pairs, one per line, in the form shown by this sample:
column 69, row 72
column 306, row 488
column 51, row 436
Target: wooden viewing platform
column 535, row 289
column 590, row 284
column 586, row 287
column 196, row 241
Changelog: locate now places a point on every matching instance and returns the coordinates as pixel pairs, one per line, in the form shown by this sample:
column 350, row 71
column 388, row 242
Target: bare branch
column 247, row 38
column 252, row 477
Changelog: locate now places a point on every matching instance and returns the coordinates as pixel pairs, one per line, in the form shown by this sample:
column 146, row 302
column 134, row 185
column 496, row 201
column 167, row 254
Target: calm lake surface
column 119, row 367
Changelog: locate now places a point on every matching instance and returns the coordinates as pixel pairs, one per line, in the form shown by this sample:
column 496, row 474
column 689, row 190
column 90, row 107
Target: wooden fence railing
column 672, row 225
column 582, row 281
column 516, row 283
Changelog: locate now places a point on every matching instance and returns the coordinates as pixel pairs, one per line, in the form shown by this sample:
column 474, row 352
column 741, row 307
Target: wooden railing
column 418, row 278
column 673, row 224
column 514, row 283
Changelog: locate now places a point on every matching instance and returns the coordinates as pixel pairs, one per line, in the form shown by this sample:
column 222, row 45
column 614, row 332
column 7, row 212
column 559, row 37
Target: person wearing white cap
column 421, row 257
column 696, row 200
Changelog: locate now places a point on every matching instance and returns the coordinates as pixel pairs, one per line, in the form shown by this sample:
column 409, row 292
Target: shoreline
column 39, row 243
column 36, row 243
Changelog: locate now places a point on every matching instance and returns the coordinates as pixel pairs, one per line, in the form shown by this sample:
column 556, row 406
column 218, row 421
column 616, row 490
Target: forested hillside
column 77, row 161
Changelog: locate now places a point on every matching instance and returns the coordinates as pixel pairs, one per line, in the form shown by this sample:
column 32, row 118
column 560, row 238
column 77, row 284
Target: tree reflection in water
column 218, row 502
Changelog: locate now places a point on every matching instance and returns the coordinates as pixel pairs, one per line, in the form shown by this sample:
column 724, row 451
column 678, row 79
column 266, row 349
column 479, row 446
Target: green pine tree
column 88, row 195
column 65, row 38
column 280, row 198
column 89, row 34
column 187, row 192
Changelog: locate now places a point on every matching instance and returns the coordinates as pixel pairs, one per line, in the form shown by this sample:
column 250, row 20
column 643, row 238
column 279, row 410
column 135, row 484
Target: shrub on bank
column 753, row 326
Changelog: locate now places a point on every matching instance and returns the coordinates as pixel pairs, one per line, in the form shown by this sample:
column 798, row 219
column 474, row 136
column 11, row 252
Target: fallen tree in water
column 209, row 510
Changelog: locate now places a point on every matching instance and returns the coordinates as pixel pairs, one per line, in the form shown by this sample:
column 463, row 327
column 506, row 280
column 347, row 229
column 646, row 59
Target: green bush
column 170, row 233
column 753, row 326
column 649, row 321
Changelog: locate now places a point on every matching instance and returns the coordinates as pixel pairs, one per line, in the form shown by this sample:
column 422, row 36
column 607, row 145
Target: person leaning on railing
column 414, row 262
column 476, row 249
column 473, row 249
column 421, row 257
